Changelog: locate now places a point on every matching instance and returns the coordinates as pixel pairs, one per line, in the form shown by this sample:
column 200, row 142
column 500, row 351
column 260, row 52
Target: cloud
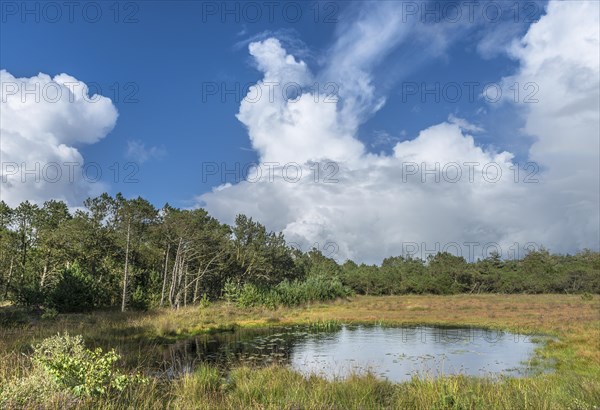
column 42, row 120
column 369, row 209
column 372, row 206
column 382, row 138
column 287, row 36
column 464, row 124
column 137, row 151
column 298, row 130
column 560, row 61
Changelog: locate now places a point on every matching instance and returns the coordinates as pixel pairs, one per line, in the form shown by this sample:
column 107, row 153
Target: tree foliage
column 126, row 253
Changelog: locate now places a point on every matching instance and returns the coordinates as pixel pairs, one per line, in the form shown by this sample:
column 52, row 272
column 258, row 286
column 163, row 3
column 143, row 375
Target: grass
column 574, row 351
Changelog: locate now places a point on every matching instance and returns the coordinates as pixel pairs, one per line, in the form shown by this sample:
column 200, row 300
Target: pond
column 393, row 353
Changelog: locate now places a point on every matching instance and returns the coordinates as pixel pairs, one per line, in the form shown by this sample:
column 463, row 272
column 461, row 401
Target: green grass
column 573, row 352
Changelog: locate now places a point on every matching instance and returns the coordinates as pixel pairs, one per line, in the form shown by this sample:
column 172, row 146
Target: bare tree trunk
column 24, row 260
column 10, row 269
column 125, row 274
column 185, row 287
column 44, row 272
column 173, row 277
column 164, row 285
column 172, row 289
column 196, row 287
column 200, row 275
column 179, row 277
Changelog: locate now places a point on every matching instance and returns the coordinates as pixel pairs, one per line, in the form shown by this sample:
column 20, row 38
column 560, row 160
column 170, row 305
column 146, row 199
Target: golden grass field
column 574, row 354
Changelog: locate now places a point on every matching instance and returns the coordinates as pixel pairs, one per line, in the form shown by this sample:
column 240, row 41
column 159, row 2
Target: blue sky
column 154, row 61
column 168, row 54
column 163, row 69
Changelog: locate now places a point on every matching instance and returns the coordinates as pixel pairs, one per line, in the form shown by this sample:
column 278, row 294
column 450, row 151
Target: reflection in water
column 394, row 353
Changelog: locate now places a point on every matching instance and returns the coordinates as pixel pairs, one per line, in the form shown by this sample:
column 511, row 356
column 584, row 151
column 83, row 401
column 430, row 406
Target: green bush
column 74, row 291
column 204, row 301
column 82, row 371
column 322, row 288
column 139, row 300
column 250, row 295
column 27, row 294
column 49, row 313
column 314, row 288
column 231, row 291
column 63, row 372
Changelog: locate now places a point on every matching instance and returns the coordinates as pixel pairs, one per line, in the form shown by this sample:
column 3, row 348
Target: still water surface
column 393, row 353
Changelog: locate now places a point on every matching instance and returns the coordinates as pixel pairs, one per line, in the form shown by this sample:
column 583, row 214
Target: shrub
column 74, row 291
column 250, row 295
column 49, row 313
column 82, row 371
column 231, row 291
column 314, row 288
column 204, row 301
column 28, row 294
column 139, row 300
column 63, row 371
column 322, row 288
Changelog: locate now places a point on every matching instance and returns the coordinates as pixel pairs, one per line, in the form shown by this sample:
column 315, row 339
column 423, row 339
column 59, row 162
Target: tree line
column 118, row 252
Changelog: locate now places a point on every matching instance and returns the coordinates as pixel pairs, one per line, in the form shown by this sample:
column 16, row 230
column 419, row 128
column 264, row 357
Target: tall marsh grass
column 573, row 383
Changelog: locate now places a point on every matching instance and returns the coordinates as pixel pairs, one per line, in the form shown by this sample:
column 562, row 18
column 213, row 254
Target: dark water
column 394, row 353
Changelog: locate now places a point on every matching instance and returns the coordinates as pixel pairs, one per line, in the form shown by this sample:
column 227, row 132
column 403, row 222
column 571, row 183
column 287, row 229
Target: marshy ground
column 573, row 354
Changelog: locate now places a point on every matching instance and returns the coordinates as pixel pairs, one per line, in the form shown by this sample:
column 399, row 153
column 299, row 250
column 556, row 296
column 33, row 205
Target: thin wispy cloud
column 138, row 151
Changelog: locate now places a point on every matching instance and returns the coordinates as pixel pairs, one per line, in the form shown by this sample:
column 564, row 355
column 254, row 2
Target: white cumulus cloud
column 42, row 120
column 373, row 206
